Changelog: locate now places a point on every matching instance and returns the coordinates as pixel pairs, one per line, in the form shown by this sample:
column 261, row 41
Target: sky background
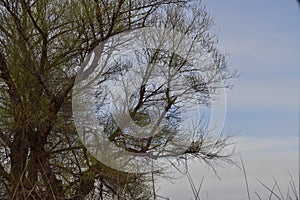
column 262, row 40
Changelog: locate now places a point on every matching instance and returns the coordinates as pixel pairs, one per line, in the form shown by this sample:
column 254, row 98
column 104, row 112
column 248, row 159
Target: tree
column 43, row 45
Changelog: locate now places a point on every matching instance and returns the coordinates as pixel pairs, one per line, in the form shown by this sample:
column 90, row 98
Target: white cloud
column 264, row 158
column 266, row 51
column 265, row 94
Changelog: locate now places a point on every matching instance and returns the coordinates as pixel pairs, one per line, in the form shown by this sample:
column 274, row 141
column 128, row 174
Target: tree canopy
column 44, row 45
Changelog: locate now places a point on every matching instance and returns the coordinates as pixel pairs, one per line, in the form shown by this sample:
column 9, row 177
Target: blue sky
column 262, row 40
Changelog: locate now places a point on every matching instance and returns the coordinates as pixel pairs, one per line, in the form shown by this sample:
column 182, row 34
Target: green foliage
column 43, row 43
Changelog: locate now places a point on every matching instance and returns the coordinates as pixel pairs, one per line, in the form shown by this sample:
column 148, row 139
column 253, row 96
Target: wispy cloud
column 268, row 94
column 264, row 158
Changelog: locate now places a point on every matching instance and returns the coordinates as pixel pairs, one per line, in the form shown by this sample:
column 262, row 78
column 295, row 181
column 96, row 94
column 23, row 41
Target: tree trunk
column 19, row 151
